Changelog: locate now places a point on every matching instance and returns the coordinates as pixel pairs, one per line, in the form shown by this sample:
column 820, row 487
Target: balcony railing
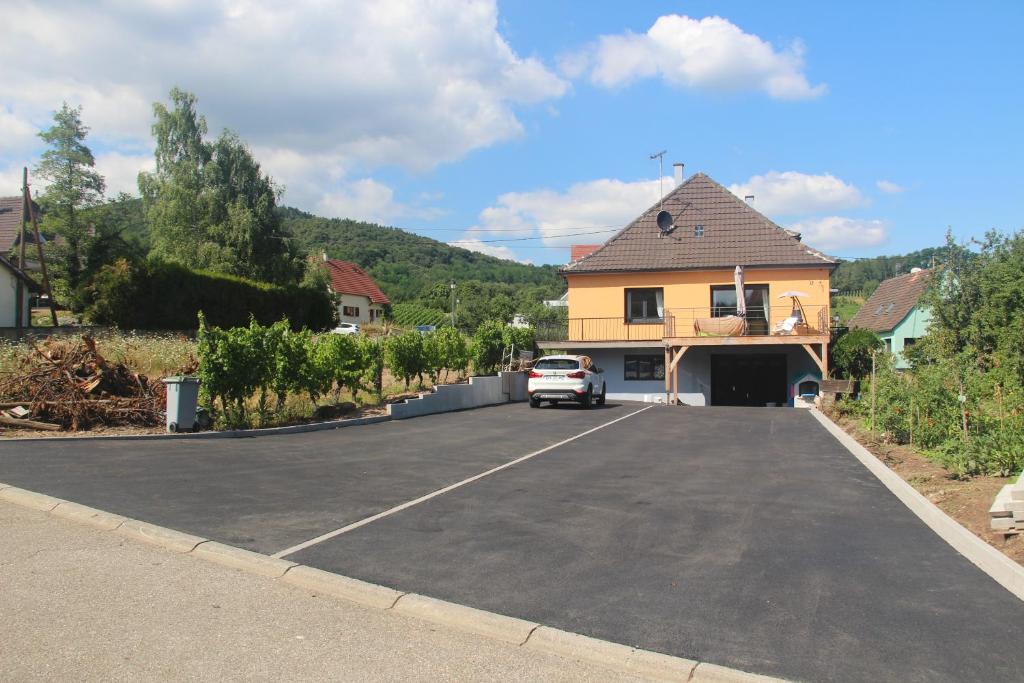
column 761, row 321
column 692, row 322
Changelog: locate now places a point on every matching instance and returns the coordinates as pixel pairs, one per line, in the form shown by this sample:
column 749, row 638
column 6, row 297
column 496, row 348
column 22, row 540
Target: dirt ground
column 966, row 501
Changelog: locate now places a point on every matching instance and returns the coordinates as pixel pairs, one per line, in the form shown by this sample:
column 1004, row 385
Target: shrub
column 851, row 353
column 232, row 366
column 404, row 356
column 340, row 363
column 164, row 296
column 373, row 370
column 445, row 349
column 520, row 338
column 487, row 345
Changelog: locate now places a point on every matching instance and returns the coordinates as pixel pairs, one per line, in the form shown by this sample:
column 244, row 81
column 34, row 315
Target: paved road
column 744, row 537
column 268, row 493
column 80, row 604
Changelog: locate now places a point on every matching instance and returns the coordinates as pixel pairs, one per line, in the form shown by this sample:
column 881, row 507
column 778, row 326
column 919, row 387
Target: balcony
column 696, row 326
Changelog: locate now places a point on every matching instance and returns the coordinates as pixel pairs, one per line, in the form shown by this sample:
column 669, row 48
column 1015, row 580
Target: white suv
column 346, row 328
column 566, row 378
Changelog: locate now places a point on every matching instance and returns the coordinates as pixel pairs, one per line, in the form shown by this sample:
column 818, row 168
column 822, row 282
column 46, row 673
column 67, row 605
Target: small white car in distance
column 566, row 378
column 346, row 328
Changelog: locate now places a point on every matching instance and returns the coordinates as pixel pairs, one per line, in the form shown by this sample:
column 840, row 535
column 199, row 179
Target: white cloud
column 410, row 83
column 597, row 206
column 837, row 232
column 791, row 193
column 121, row 171
column 708, row 54
column 498, row 250
column 889, row 187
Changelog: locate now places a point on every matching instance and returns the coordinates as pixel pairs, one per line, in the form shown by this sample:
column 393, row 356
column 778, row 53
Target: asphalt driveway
column 744, row 537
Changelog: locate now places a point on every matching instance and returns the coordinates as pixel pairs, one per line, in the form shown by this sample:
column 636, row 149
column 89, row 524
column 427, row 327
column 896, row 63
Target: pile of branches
column 70, row 384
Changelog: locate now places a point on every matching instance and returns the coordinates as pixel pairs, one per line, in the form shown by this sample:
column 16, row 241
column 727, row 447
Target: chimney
column 679, row 173
column 323, row 255
column 578, row 251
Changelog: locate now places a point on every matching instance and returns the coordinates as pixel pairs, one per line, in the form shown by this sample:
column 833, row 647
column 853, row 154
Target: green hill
column 408, row 266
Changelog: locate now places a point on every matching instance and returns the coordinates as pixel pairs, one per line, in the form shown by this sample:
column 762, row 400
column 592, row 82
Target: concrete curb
column 230, row 434
column 338, row 586
column 246, row 560
column 158, row 535
column 87, row 515
column 496, row 626
column 1001, row 568
column 29, row 499
column 712, row 673
column 652, row 665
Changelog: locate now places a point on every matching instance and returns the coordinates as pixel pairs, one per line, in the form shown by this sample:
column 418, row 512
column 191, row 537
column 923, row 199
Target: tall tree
column 209, row 205
column 75, row 185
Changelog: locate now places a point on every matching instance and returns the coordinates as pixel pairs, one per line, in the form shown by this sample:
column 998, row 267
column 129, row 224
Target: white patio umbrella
column 786, row 295
column 741, row 297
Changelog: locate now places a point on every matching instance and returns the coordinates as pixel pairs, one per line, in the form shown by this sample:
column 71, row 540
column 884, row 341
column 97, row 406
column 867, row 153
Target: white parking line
column 422, row 499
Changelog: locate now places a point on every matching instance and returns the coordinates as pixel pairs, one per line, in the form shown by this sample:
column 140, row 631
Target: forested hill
column 405, row 264
column 865, row 274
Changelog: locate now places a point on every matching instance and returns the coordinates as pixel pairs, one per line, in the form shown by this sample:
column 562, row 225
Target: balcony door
column 723, row 303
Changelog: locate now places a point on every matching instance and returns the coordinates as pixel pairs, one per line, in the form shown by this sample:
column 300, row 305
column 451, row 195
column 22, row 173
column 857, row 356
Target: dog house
column 805, row 389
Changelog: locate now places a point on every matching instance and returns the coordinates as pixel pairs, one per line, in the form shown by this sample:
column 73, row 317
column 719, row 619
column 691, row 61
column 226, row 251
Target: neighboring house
column 895, row 313
column 560, row 302
column 15, row 290
column 360, row 300
column 11, row 209
column 656, row 309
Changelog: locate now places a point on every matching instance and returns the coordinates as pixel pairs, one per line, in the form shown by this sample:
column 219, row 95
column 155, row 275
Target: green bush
column 487, row 346
column 404, row 356
column 373, row 370
column 341, row 363
column 233, row 365
column 164, row 296
column 851, row 353
column 520, row 338
column 445, row 349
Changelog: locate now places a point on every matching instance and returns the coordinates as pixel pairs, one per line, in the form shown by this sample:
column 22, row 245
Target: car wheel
column 535, row 403
column 603, row 396
column 588, row 398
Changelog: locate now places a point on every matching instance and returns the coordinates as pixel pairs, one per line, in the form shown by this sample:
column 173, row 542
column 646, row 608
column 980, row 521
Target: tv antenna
column 660, row 156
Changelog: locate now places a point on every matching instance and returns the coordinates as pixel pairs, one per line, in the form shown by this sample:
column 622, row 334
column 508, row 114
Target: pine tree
column 75, row 185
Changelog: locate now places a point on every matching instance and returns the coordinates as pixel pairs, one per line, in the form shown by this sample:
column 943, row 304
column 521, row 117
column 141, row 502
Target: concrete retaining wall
column 481, row 391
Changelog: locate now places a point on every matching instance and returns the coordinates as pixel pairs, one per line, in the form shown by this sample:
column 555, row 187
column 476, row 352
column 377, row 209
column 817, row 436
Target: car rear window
column 557, row 364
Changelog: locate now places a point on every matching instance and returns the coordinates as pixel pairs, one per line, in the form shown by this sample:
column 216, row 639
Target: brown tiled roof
column 10, row 223
column 348, row 278
column 891, row 302
column 733, row 234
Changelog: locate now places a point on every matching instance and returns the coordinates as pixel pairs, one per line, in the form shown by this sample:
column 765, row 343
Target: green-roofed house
column 896, row 314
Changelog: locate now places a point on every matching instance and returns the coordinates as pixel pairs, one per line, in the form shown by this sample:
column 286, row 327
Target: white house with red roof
column 360, row 300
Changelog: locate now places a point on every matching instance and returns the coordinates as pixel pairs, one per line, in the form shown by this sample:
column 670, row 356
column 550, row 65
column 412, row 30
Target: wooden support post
column 668, row 380
column 824, row 361
column 39, row 250
column 821, row 363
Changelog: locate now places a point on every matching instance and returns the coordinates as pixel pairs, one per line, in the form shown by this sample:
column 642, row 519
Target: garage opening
column 756, row 379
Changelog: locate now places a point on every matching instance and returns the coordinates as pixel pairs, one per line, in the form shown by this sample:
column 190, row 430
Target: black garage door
column 754, row 379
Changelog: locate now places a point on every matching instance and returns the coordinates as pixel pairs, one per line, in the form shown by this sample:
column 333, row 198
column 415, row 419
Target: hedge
column 154, row 295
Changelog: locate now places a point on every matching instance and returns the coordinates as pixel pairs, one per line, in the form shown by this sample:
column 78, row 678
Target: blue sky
column 870, row 127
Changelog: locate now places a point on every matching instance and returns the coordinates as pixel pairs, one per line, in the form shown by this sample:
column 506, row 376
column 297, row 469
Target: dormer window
column 698, row 231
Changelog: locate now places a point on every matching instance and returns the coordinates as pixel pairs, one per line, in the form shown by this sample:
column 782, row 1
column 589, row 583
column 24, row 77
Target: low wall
column 481, row 391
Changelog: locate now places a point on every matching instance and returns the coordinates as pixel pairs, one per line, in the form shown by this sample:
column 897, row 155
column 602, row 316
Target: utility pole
column 660, row 156
column 39, row 251
column 873, row 391
column 453, row 302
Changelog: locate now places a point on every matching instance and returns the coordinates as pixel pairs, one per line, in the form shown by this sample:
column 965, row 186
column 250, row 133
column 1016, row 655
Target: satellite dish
column 665, row 222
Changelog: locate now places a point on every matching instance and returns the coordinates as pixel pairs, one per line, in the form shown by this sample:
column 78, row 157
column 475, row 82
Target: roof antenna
column 660, row 156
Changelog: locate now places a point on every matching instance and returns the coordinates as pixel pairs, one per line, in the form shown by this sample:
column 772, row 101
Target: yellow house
column 657, row 306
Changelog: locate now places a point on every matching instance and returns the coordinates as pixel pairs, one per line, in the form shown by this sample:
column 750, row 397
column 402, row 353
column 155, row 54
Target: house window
column 909, row 341
column 646, row 367
column 698, row 231
column 350, row 311
column 888, row 345
column 645, row 305
column 723, row 303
